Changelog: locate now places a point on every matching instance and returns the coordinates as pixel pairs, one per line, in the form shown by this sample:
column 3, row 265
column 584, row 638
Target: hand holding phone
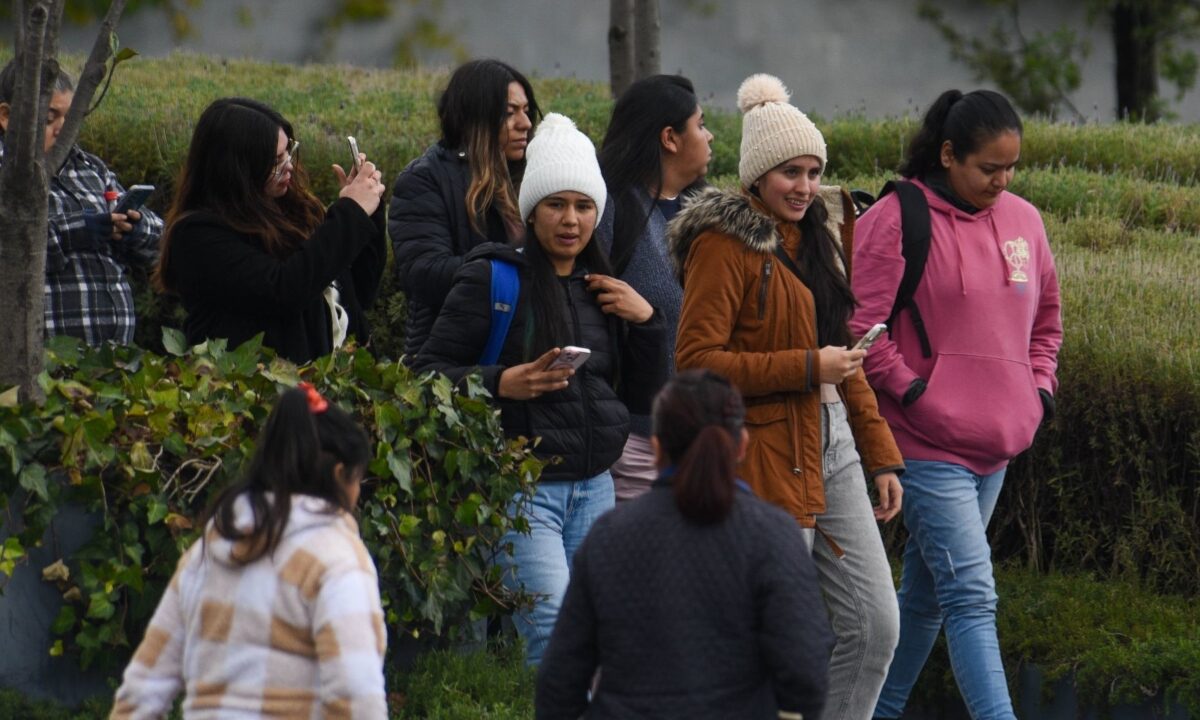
column 869, row 339
column 571, row 357
column 357, row 159
column 133, row 199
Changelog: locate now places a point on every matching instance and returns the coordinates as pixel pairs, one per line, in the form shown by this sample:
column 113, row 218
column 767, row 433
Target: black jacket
column 689, row 621
column 233, row 288
column 585, row 424
column 431, row 232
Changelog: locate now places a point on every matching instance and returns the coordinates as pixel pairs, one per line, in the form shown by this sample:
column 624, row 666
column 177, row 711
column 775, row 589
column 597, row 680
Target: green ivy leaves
column 143, row 442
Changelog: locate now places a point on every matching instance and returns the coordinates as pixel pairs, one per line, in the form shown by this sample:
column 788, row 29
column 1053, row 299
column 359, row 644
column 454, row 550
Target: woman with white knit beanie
column 566, row 298
column 766, row 302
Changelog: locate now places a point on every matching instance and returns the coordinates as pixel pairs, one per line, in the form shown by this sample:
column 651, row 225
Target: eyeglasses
column 281, row 166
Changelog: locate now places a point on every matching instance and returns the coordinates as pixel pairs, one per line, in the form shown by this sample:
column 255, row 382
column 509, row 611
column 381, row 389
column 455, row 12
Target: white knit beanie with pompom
column 560, row 158
column 773, row 131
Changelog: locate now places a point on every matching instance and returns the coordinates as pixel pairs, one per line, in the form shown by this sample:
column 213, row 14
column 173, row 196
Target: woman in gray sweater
column 696, row 600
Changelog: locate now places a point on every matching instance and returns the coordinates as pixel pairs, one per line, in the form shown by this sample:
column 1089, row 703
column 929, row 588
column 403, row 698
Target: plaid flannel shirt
column 88, row 295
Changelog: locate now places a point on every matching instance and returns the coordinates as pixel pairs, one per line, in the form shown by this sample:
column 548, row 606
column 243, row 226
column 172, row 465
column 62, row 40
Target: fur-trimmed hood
column 734, row 212
column 730, row 212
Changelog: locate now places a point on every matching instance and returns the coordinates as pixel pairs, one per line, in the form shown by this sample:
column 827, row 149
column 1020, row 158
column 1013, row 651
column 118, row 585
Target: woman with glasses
column 249, row 249
column 462, row 191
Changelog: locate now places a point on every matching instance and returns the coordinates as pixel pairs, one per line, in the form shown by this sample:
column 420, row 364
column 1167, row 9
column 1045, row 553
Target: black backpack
column 915, row 237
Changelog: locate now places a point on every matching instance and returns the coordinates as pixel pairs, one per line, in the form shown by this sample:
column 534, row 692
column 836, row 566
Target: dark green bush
column 144, row 441
column 1116, row 642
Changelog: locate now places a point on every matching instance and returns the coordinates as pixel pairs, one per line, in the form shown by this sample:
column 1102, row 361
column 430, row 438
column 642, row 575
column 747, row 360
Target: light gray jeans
column 857, row 586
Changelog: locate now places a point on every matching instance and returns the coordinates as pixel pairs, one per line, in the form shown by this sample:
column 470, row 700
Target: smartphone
column 869, row 339
column 572, row 357
column 134, row 198
column 357, row 161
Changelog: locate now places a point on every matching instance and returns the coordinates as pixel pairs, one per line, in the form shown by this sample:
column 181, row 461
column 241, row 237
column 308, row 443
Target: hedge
column 144, row 441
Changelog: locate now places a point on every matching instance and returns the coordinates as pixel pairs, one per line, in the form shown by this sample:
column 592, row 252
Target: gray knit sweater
column 650, row 273
column 689, row 621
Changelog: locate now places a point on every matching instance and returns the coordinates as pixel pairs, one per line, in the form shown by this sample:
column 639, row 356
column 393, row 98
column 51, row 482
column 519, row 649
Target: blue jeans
column 560, row 515
column 947, row 577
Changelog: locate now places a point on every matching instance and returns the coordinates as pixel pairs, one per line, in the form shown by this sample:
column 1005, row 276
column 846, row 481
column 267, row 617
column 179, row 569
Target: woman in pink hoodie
column 961, row 409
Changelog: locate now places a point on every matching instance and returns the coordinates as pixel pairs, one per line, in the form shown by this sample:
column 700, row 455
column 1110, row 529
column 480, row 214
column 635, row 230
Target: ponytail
column 967, row 121
column 702, row 482
column 698, row 420
column 303, row 441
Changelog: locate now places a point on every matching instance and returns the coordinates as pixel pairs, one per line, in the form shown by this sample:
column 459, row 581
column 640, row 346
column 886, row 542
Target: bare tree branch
column 89, row 80
column 1023, row 43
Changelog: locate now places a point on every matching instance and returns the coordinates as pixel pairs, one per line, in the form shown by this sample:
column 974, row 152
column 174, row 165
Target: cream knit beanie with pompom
column 560, row 158
column 772, row 130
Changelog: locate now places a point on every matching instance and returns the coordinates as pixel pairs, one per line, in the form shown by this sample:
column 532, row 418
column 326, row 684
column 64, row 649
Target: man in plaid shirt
column 88, row 247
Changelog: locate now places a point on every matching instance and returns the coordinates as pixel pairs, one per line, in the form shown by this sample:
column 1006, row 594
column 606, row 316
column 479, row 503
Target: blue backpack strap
column 505, row 286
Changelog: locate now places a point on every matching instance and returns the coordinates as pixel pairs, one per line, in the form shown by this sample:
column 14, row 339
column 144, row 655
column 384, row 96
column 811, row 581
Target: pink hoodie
column 989, row 298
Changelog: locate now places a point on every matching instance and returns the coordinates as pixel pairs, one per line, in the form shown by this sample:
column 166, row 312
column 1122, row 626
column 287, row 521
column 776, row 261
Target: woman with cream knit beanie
column 566, row 298
column 766, row 302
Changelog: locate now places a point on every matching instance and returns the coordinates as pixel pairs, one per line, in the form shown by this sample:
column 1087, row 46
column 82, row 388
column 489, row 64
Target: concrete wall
column 867, row 56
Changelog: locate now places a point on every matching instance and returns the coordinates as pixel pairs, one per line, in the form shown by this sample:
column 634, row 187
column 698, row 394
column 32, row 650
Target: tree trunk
column 24, row 182
column 24, row 202
column 620, row 45
column 1137, row 60
column 646, row 25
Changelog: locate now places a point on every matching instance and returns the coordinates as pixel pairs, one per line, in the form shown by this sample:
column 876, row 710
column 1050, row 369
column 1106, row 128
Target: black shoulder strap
column 916, row 235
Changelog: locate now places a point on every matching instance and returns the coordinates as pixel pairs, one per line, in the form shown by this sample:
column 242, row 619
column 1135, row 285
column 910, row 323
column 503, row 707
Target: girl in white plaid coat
column 275, row 612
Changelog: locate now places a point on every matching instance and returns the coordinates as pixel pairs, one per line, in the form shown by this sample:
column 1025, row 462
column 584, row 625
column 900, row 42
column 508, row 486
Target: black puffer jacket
column 431, row 233
column 585, row 424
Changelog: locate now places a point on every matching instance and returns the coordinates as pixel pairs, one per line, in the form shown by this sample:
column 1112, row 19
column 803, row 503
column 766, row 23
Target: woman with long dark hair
column 275, row 611
column 463, row 190
column 655, row 153
column 697, row 599
column 566, row 297
column 249, row 248
column 766, row 302
column 989, row 302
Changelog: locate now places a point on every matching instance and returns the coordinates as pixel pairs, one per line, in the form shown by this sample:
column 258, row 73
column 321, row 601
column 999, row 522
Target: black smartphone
column 134, row 198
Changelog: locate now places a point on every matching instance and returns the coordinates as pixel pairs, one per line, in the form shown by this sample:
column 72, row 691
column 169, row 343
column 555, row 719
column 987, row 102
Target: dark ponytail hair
column 698, row 420
column 296, row 454
column 967, row 121
column 631, row 154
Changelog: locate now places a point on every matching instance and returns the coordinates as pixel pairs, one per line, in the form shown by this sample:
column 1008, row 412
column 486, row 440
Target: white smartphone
column 869, row 339
column 354, row 152
column 572, row 357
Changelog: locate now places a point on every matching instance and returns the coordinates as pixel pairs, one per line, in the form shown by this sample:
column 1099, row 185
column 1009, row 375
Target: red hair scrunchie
column 316, row 403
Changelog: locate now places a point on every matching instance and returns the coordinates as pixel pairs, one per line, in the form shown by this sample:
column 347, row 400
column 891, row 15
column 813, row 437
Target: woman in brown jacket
column 766, row 303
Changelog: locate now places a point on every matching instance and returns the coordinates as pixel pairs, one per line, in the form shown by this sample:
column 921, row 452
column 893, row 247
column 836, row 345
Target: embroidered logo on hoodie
column 1016, row 252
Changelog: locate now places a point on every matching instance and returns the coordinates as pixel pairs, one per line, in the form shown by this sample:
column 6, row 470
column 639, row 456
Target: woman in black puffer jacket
column 566, row 298
column 460, row 192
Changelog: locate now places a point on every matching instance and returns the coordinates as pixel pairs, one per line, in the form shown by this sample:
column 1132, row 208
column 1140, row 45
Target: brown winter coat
column 748, row 317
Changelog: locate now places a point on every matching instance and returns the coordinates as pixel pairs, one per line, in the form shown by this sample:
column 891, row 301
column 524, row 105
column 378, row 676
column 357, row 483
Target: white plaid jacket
column 298, row 633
